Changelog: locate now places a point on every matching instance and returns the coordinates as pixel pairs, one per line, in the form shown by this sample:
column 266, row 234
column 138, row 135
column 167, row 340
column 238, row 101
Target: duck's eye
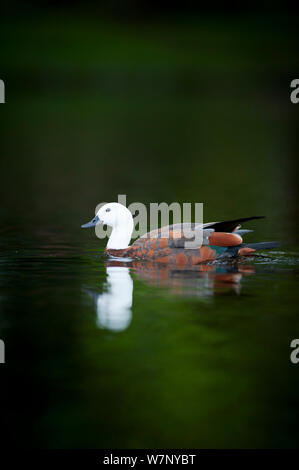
column 108, row 210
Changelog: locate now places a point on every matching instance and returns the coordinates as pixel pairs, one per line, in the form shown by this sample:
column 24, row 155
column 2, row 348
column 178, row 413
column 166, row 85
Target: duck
column 167, row 245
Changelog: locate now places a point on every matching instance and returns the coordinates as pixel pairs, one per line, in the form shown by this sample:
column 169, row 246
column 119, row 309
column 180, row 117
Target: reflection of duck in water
column 170, row 244
column 114, row 306
column 202, row 281
column 199, row 281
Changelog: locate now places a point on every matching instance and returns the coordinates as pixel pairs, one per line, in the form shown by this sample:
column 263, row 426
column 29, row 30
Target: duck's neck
column 120, row 237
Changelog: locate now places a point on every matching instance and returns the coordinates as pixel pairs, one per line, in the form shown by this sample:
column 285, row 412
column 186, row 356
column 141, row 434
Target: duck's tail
column 261, row 245
column 246, row 249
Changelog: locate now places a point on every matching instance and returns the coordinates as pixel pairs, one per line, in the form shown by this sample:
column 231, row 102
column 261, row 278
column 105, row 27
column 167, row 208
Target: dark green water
column 199, row 359
column 129, row 356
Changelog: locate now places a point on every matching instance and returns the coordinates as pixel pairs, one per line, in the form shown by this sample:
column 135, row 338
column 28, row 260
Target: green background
column 187, row 107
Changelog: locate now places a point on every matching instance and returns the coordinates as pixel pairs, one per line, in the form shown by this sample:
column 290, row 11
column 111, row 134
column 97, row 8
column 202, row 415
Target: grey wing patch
column 175, row 231
column 242, row 232
column 197, row 239
column 180, row 235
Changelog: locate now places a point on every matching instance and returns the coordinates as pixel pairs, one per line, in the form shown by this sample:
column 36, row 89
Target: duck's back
column 169, row 244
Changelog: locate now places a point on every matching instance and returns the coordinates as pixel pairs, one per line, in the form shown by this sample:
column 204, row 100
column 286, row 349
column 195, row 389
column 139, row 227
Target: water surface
column 104, row 353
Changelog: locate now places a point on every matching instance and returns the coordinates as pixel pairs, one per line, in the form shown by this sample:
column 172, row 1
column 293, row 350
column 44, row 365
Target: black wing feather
column 231, row 225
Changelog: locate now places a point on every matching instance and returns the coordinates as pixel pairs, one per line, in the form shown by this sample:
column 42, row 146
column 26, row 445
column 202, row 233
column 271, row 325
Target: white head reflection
column 114, row 307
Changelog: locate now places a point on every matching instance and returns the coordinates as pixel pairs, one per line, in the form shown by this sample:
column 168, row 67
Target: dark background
column 127, row 97
column 161, row 103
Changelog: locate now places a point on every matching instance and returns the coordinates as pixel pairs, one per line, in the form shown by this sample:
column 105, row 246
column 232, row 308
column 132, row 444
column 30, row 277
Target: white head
column 120, row 219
